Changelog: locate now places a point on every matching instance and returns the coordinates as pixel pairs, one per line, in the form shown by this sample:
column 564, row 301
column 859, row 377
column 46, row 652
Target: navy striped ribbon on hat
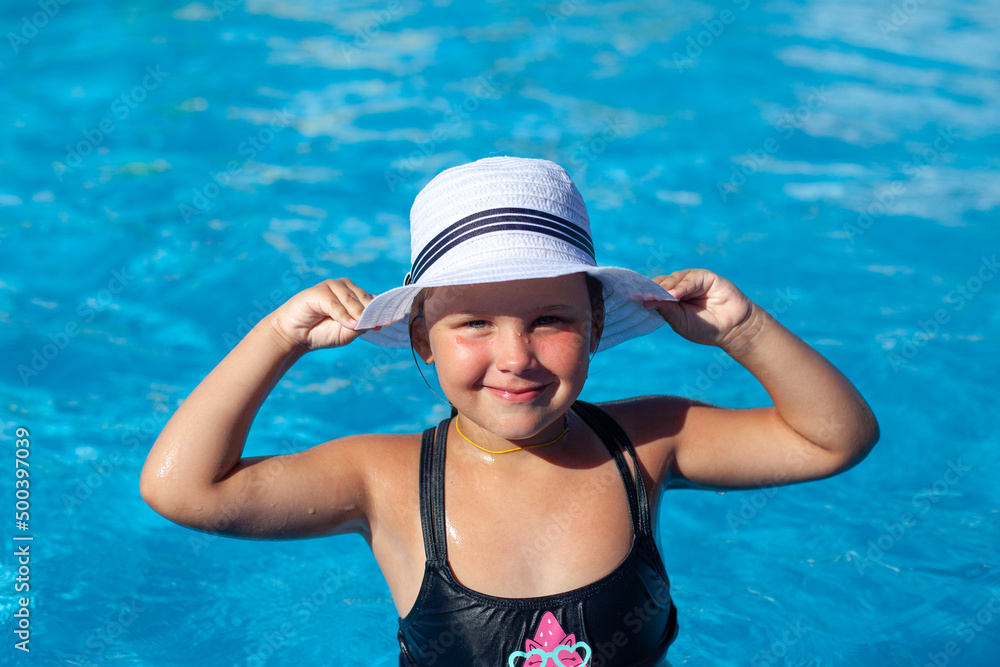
column 496, row 220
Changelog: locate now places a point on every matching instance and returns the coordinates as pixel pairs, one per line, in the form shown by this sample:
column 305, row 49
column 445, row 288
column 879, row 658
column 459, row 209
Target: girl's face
column 513, row 356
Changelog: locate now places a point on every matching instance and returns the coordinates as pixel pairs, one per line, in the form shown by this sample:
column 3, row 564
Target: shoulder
column 356, row 462
column 651, row 418
column 369, row 451
column 655, row 425
column 385, row 465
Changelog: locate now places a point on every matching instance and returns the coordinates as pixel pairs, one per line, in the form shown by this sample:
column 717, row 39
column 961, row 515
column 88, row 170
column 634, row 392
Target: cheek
column 563, row 353
column 459, row 357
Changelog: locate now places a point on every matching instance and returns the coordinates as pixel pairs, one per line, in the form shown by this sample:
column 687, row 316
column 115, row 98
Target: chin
column 514, row 434
column 521, row 424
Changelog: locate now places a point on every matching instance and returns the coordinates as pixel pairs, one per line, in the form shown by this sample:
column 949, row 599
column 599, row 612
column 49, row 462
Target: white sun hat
column 500, row 219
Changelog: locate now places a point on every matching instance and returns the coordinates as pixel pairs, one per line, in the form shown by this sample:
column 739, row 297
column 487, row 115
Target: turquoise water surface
column 169, row 173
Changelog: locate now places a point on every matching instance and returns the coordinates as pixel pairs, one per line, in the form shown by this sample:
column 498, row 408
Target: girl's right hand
column 322, row 316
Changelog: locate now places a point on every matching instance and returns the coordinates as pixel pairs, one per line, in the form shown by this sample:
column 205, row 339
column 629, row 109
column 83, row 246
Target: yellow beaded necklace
column 514, row 449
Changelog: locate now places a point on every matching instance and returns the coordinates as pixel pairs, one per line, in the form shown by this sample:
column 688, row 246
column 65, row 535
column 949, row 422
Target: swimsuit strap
column 437, row 490
column 615, row 438
column 586, row 413
column 432, row 491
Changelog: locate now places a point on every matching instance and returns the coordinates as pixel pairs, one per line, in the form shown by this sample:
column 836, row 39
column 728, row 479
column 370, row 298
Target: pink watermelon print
column 551, row 647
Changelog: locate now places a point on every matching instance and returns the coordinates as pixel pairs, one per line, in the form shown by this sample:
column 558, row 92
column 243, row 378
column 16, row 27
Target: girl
column 518, row 531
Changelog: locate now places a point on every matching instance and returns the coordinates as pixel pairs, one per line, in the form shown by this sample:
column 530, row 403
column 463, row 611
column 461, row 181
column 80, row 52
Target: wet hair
column 595, row 288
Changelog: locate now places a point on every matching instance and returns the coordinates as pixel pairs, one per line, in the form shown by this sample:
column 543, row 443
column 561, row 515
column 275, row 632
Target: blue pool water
column 167, row 174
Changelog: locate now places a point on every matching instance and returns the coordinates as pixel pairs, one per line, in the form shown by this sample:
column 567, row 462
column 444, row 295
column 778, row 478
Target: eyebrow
column 554, row 307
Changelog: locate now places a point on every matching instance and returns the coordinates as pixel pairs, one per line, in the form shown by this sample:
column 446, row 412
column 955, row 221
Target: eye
column 476, row 324
column 547, row 319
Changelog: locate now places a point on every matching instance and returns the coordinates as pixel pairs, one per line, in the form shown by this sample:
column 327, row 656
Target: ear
column 420, row 340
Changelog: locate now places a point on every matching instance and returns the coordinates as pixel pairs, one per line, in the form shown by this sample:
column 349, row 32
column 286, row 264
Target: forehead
column 513, row 295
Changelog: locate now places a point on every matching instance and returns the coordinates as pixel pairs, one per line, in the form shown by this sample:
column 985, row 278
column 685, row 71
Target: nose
column 514, row 351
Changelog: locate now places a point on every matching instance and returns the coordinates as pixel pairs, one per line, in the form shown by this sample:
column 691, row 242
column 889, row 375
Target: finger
column 331, row 303
column 362, row 295
column 695, row 284
column 679, row 283
column 350, row 296
column 339, row 314
column 672, row 312
column 668, row 282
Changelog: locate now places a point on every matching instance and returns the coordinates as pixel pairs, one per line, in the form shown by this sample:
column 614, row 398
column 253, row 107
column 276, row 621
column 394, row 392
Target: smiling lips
column 522, row 395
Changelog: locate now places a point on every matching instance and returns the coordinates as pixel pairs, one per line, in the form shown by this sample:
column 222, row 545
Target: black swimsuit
column 625, row 618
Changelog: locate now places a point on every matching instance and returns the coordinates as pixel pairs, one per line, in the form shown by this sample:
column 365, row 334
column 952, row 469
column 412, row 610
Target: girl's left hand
column 709, row 309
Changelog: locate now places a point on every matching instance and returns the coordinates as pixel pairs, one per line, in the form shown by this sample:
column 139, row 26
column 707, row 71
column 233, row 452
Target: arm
column 194, row 474
column 819, row 424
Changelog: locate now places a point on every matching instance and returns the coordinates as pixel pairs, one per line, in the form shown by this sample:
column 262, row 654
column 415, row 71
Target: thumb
column 671, row 311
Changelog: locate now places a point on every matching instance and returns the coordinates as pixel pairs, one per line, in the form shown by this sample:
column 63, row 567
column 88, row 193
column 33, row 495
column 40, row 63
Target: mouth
column 517, row 395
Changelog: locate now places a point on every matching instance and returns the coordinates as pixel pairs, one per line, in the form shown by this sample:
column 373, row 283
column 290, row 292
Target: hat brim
column 624, row 293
